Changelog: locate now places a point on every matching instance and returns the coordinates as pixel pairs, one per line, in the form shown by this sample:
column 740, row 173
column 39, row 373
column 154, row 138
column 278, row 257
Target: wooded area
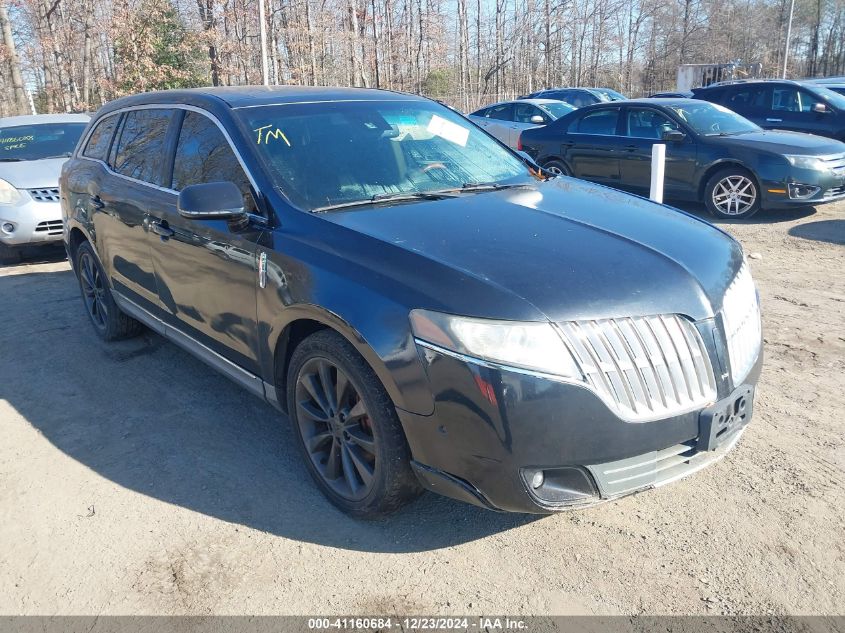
column 73, row 55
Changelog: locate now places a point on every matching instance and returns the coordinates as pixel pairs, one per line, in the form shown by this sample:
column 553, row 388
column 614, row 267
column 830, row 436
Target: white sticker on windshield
column 452, row 132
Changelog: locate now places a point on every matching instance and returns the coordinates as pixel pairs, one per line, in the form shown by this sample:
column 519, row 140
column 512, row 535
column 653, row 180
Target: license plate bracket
column 719, row 423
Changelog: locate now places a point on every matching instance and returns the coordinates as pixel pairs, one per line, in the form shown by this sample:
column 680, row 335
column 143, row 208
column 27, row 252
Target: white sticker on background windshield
column 452, row 132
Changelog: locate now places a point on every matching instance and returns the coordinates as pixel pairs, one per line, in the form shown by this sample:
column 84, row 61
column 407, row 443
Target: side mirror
column 674, row 136
column 211, row 201
column 538, row 120
column 820, row 108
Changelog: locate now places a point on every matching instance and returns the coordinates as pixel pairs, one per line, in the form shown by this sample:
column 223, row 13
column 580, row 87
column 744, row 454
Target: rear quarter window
column 100, row 140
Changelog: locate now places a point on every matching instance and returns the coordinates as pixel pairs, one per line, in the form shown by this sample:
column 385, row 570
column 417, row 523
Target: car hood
column 782, row 142
column 33, row 174
column 569, row 249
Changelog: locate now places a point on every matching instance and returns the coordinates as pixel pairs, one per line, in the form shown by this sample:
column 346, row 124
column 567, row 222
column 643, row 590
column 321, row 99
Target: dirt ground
column 135, row 480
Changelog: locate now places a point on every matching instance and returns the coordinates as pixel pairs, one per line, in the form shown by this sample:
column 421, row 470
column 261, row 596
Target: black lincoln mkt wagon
column 428, row 308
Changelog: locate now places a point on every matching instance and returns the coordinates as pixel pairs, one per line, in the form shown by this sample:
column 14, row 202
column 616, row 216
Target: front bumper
column 826, row 186
column 34, row 221
column 492, row 429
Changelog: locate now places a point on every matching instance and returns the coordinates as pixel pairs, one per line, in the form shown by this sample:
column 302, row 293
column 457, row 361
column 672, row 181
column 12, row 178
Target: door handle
column 632, row 148
column 774, row 120
column 162, row 229
column 97, row 203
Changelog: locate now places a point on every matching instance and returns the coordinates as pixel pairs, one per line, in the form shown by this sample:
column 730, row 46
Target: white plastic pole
column 658, row 168
column 265, row 73
column 788, row 37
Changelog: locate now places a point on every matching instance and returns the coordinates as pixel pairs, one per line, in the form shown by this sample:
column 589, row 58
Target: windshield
column 711, row 119
column 557, row 109
column 609, row 95
column 833, row 98
column 35, row 142
column 328, row 154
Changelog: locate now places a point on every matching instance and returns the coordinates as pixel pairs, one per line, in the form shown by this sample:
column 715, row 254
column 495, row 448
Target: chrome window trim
column 292, row 103
column 173, row 106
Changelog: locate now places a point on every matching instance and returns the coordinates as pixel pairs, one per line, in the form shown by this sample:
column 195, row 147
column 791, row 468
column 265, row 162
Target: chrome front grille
column 834, row 193
column 741, row 315
column 51, row 227
column 44, row 195
column 645, row 368
column 835, row 163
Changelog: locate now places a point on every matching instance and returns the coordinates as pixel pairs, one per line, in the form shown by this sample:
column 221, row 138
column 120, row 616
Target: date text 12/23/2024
column 418, row 623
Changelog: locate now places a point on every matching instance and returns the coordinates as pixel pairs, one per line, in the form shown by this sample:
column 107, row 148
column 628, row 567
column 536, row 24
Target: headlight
column 741, row 315
column 526, row 345
column 805, row 162
column 8, row 194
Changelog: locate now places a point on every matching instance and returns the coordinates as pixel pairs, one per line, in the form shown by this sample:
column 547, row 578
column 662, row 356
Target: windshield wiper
column 470, row 187
column 479, row 187
column 11, row 160
column 381, row 198
column 65, row 155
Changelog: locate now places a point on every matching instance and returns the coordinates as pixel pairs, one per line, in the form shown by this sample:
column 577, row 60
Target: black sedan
column 712, row 155
column 428, row 309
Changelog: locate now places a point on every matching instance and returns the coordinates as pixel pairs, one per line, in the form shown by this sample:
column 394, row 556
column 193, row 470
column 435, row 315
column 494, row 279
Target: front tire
column 347, row 428
column 732, row 194
column 109, row 322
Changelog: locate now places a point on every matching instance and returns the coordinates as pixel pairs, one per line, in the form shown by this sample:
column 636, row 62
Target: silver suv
column 32, row 152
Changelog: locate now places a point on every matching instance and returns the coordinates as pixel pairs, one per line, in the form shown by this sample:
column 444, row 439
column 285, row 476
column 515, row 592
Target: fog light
column 8, row 227
column 559, row 487
column 800, row 192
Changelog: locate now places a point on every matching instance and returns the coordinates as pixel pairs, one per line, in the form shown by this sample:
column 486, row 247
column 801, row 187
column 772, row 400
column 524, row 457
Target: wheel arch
column 303, row 320
column 720, row 165
column 76, row 236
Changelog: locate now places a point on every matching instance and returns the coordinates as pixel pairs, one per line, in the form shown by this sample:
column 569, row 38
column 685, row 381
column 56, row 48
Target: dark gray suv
column 774, row 104
column 428, row 309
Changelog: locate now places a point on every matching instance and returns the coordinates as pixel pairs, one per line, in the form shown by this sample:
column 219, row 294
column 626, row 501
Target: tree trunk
column 19, row 94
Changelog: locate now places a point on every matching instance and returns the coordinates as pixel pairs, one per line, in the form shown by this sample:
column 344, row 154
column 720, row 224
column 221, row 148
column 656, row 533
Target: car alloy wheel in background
column 557, row 168
column 732, row 194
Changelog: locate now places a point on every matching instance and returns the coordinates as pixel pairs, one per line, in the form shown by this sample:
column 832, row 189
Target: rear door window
column 142, row 145
column 502, row 112
column 100, row 140
column 203, row 154
column 599, row 122
column 745, row 98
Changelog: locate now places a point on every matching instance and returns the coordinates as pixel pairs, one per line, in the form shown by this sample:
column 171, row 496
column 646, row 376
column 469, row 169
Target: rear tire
column 109, row 322
column 732, row 194
column 347, row 428
column 9, row 255
column 557, row 167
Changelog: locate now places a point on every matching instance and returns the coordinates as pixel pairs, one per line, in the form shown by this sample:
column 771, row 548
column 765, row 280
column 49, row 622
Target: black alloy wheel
column 93, row 291
column 109, row 322
column 336, row 428
column 347, row 428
